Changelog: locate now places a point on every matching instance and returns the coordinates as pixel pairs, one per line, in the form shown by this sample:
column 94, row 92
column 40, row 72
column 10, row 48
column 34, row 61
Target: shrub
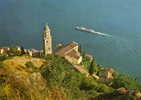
column 2, row 58
column 30, row 64
column 127, row 82
column 54, row 69
column 90, row 84
column 86, row 62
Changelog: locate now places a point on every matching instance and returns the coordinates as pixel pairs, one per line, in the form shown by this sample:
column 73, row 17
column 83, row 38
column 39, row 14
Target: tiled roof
column 62, row 51
column 74, row 54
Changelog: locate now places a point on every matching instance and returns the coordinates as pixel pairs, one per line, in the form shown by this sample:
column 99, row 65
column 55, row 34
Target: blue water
column 21, row 23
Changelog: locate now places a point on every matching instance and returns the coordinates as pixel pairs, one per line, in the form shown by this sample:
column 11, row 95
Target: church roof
column 67, row 48
column 74, row 54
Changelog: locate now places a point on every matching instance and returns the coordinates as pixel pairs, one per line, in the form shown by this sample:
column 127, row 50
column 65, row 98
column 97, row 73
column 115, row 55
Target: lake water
column 22, row 21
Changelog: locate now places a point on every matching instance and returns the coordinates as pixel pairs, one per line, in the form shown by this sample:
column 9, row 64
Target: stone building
column 70, row 52
column 11, row 51
column 47, row 40
column 107, row 74
column 33, row 52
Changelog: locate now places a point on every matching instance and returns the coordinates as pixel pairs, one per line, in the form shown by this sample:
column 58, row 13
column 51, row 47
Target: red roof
column 67, row 48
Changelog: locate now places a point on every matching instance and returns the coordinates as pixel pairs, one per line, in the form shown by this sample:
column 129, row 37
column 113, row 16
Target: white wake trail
column 102, row 34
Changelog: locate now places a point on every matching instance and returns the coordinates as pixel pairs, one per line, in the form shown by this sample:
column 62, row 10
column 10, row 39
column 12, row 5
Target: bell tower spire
column 47, row 40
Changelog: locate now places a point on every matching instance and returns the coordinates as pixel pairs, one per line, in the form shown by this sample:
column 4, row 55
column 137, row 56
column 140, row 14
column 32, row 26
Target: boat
column 84, row 29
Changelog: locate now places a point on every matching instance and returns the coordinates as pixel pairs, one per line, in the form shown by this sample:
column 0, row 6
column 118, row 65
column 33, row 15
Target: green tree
column 93, row 68
column 86, row 61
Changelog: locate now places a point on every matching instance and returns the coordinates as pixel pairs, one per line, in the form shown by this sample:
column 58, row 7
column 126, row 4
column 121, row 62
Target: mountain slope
column 54, row 78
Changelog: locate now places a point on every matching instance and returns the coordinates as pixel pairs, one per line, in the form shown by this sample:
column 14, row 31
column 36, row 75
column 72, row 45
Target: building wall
column 105, row 75
column 11, row 51
column 1, row 51
column 73, row 60
column 76, row 48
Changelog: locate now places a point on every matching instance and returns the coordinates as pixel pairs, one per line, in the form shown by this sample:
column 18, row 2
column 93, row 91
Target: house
column 107, row 74
column 33, row 52
column 11, row 51
column 70, row 52
column 122, row 90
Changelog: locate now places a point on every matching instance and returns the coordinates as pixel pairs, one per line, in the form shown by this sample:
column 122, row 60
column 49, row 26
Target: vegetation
column 30, row 64
column 2, row 58
column 93, row 68
column 57, row 79
column 14, row 52
column 60, row 73
column 86, row 61
column 127, row 82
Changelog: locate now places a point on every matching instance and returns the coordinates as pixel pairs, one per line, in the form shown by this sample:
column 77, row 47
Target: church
column 70, row 51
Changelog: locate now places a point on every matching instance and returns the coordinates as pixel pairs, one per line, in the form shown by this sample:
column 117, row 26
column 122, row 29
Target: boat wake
column 102, row 34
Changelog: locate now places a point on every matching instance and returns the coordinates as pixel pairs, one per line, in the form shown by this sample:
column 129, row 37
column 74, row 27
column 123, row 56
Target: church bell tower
column 47, row 40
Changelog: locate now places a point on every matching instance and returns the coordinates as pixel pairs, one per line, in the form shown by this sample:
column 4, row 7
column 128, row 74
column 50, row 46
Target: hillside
column 54, row 78
column 18, row 64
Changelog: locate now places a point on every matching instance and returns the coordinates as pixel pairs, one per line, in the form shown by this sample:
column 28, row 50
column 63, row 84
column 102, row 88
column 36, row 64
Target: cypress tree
column 92, row 68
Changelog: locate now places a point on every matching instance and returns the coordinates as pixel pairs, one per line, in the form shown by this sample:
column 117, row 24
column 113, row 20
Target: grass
column 56, row 79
